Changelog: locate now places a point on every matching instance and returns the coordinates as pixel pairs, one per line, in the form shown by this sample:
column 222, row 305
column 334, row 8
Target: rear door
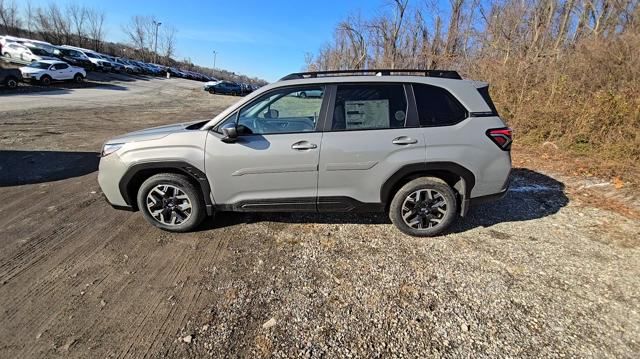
column 371, row 132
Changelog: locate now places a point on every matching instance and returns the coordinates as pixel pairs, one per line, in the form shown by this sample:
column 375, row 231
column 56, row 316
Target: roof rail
column 448, row 74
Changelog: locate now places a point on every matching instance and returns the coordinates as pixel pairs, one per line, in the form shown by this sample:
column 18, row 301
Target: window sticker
column 367, row 114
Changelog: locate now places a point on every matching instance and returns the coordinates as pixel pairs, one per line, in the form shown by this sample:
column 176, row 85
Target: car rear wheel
column 78, row 78
column 424, row 207
column 171, row 202
column 45, row 80
column 6, row 54
column 11, row 82
column 302, row 94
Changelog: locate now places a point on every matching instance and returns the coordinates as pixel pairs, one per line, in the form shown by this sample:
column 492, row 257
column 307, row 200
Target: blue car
column 225, row 88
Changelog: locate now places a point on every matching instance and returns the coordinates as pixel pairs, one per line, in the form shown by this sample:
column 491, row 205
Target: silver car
column 420, row 145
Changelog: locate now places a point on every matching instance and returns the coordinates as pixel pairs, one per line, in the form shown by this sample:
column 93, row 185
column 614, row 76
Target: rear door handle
column 304, row 145
column 404, row 140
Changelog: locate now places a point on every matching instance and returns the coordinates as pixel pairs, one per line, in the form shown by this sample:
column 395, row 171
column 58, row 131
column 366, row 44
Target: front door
column 373, row 133
column 273, row 165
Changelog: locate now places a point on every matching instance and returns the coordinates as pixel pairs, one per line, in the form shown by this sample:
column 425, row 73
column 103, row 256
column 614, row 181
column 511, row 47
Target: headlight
column 110, row 148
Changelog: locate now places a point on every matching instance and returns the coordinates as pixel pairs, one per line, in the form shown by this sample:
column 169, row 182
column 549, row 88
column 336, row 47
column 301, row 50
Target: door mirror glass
column 230, row 132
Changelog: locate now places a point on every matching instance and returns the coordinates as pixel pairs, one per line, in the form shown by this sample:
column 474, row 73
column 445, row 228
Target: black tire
column 6, row 54
column 198, row 208
column 11, row 82
column 302, row 94
column 45, row 80
column 212, row 91
column 439, row 191
column 78, row 78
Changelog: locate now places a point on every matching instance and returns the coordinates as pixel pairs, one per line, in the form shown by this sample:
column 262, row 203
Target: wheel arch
column 456, row 176
column 134, row 177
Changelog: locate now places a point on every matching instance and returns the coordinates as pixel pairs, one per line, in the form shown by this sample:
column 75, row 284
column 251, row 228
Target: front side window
column 367, row 106
column 437, row 107
column 39, row 65
column 282, row 111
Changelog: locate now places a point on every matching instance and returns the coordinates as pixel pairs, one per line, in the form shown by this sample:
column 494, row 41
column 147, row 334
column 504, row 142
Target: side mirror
column 230, row 132
column 272, row 113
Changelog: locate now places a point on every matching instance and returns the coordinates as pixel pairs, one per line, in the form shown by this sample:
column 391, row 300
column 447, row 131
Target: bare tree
column 96, row 19
column 78, row 17
column 9, row 18
column 168, row 42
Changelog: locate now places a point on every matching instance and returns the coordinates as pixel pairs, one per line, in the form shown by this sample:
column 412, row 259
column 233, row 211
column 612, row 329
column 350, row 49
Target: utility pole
column 155, row 47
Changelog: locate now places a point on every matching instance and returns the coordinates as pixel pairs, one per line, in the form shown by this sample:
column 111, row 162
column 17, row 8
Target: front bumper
column 110, row 171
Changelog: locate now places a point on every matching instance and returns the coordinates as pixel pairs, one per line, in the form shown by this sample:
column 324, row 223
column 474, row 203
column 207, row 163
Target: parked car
column 74, row 58
column 47, row 71
column 226, row 88
column 25, row 53
column 128, row 66
column 246, row 89
column 209, row 84
column 423, row 159
column 98, row 62
column 10, row 77
column 115, row 66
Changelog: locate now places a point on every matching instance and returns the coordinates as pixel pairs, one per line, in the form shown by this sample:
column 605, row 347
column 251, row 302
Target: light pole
column 215, row 53
column 155, row 47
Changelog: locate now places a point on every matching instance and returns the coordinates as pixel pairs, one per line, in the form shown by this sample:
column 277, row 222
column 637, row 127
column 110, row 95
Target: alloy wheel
column 424, row 208
column 168, row 205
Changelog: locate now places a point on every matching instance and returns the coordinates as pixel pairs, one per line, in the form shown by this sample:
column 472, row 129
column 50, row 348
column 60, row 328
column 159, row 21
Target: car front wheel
column 45, row 80
column 12, row 82
column 424, row 207
column 171, row 202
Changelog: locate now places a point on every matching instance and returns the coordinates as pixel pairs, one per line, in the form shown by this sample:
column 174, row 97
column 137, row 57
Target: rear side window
column 484, row 91
column 365, row 107
column 437, row 107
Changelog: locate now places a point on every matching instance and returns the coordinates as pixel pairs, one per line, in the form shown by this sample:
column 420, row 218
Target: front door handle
column 404, row 140
column 304, row 145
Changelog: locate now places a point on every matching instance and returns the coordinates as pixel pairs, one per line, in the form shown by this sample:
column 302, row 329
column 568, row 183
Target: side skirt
column 302, row 204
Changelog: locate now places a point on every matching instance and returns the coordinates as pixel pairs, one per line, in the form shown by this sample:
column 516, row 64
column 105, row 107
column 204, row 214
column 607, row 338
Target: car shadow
column 29, row 167
column 532, row 195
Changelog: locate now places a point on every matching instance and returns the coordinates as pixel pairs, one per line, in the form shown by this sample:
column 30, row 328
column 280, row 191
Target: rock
column 187, row 339
column 269, row 323
column 205, row 327
column 103, row 303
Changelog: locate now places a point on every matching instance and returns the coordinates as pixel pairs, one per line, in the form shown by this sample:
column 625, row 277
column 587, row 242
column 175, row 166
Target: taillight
column 501, row 137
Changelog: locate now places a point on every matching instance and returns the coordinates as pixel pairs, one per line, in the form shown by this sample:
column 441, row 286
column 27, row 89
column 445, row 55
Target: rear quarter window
column 437, row 107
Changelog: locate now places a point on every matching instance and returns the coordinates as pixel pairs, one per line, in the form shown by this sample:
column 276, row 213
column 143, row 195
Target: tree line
column 561, row 71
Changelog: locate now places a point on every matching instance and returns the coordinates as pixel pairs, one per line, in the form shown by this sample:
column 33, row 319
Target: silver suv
column 421, row 145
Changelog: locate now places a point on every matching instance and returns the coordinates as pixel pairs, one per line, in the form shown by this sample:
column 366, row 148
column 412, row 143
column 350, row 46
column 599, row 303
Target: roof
column 449, row 74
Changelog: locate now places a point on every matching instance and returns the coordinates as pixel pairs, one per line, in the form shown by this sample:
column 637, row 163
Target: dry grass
column 585, row 102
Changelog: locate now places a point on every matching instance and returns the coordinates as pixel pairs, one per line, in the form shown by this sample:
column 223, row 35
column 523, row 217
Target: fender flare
column 468, row 179
column 173, row 166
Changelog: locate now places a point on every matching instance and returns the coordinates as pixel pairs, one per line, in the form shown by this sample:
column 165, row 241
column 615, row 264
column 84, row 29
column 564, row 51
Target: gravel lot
column 546, row 272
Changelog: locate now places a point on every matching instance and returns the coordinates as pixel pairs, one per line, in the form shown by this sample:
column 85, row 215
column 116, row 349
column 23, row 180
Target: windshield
column 37, row 51
column 39, row 65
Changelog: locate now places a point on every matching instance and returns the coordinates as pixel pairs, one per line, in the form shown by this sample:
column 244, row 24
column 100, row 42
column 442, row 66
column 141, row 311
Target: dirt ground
column 551, row 270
